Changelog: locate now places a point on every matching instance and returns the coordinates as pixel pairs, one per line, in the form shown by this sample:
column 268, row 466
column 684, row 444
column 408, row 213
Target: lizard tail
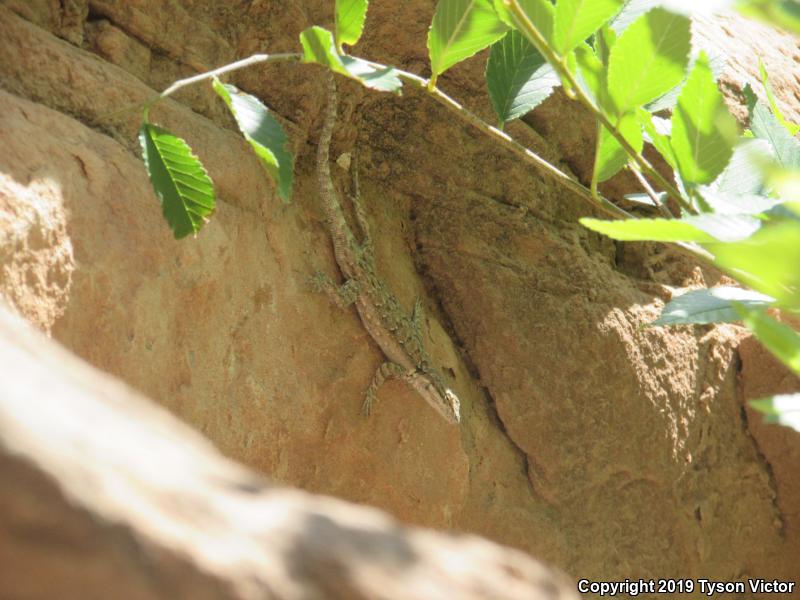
column 343, row 239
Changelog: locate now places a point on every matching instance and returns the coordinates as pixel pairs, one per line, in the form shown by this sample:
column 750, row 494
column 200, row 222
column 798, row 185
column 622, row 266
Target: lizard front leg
column 386, row 371
column 341, row 295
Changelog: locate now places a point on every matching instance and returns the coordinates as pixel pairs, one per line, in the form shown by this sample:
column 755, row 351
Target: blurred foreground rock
column 105, row 495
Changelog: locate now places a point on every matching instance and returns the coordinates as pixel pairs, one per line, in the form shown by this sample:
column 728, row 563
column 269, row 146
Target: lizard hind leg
column 386, row 371
column 341, row 295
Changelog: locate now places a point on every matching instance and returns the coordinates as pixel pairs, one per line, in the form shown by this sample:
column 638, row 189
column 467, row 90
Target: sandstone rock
column 606, row 448
column 106, row 495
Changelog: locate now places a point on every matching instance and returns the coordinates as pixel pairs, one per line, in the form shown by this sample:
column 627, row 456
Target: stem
column 544, row 167
column 234, row 66
column 537, row 39
column 652, row 193
column 182, row 83
column 507, row 141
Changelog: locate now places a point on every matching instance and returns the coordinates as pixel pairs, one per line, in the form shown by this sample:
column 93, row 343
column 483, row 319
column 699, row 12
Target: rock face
column 607, row 449
column 140, row 506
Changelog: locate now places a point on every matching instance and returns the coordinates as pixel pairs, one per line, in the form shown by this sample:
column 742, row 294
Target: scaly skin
column 384, row 319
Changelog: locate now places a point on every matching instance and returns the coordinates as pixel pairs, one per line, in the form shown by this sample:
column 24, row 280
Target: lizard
column 398, row 335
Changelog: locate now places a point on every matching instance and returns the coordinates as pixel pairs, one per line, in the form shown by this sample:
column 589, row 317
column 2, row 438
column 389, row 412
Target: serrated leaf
column 781, row 340
column 611, row 156
column 649, row 59
column 350, row 17
column 632, row 10
column 780, row 13
column 503, row 13
column 713, row 305
column 658, row 131
column 264, row 134
column 576, row 20
column 318, row 47
column 591, row 75
column 766, row 126
column 703, row 131
column 783, row 409
column 792, row 128
column 646, row 200
column 460, row 29
column 542, row 14
column 768, row 261
column 718, row 61
column 656, row 230
column 180, row 181
column 725, row 227
column 518, row 77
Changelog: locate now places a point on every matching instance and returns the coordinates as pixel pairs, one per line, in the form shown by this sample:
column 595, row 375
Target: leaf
column 518, row 77
column 460, row 29
column 350, row 17
column 646, row 200
column 783, row 409
column 611, row 156
column 766, row 126
column 383, row 79
column 657, row 131
column 503, row 13
column 542, row 14
column 649, row 59
column 592, row 76
column 632, row 10
column 787, row 125
column 703, row 131
column 718, row 61
column 768, row 261
column 640, row 230
column 318, row 47
column 780, row 13
column 576, row 20
column 262, row 132
column 725, row 227
column 180, row 181
column 781, row 340
column 713, row 305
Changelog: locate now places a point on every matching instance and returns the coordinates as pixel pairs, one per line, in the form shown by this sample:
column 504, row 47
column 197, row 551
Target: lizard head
column 432, row 389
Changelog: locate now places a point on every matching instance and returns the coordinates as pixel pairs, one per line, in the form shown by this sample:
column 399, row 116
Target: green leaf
column 632, row 10
column 503, row 13
column 780, row 339
column 780, row 13
column 640, row 230
column 262, row 132
column 648, row 59
column 725, row 227
column 703, row 131
column 657, row 131
column 592, row 75
column 383, row 79
column 766, row 126
column 518, row 77
column 179, row 179
column 576, row 20
column 460, row 29
column 542, row 14
column 783, row 409
column 788, row 126
column 713, row 305
column 350, row 17
column 611, row 156
column 767, row 262
column 318, row 47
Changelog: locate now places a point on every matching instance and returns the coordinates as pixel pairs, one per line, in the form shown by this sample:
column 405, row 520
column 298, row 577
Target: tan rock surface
column 610, row 450
column 106, row 495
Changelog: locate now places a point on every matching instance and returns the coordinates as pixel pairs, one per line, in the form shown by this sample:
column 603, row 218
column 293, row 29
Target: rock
column 106, row 495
